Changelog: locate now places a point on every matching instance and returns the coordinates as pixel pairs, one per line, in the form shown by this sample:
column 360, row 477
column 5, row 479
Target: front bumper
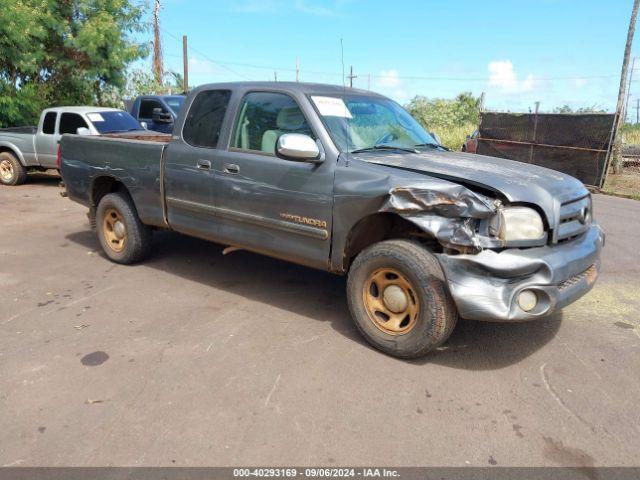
column 486, row 286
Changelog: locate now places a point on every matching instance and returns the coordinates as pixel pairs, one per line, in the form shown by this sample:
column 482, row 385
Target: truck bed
column 25, row 130
column 133, row 159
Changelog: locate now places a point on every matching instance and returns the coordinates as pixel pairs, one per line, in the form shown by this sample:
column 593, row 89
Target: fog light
column 527, row 299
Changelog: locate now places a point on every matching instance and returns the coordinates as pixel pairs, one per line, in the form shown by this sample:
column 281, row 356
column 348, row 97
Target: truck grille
column 575, row 218
column 590, row 274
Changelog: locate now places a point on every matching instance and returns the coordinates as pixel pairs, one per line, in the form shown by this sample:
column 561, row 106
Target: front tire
column 399, row 299
column 123, row 237
column 12, row 172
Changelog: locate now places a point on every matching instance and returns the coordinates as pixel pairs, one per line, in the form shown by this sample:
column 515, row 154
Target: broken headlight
column 517, row 223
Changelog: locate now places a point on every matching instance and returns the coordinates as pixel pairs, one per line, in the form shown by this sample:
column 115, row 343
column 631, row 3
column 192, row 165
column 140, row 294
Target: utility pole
column 297, row 70
column 626, row 103
column 158, row 67
column 615, row 148
column 275, row 76
column 535, row 131
column 185, row 65
column 480, row 109
column 351, row 76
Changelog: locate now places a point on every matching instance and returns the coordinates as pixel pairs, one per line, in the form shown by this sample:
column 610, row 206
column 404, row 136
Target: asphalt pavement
column 198, row 359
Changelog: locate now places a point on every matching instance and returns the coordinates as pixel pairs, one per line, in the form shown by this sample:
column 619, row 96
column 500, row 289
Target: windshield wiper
column 433, row 145
column 384, row 147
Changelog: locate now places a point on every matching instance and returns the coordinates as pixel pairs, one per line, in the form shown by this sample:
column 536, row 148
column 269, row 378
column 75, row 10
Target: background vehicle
column 158, row 112
column 25, row 149
column 347, row 181
column 470, row 145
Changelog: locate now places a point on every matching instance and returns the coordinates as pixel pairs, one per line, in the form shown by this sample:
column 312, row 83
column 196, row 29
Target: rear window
column 114, row 121
column 49, row 124
column 71, row 122
column 204, row 121
column 175, row 103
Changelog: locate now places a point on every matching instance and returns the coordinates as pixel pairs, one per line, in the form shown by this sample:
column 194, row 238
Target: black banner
column 405, row 473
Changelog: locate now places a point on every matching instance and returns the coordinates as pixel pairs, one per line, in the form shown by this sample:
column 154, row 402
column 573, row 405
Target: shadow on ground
column 44, row 178
column 473, row 345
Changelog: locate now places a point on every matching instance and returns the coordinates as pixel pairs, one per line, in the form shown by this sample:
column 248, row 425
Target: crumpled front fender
column 445, row 210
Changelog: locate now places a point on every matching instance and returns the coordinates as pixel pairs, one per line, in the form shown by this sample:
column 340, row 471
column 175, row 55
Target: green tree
column 452, row 119
column 439, row 112
column 64, row 52
column 589, row 109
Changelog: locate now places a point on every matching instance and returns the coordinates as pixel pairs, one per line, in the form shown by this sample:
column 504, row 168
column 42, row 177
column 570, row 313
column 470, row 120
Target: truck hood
column 517, row 182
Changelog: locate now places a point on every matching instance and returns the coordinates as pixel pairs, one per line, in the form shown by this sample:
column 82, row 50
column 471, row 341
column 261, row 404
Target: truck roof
column 302, row 87
column 81, row 109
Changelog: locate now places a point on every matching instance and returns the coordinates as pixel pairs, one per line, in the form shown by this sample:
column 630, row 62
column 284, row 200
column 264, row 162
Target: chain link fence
column 576, row 144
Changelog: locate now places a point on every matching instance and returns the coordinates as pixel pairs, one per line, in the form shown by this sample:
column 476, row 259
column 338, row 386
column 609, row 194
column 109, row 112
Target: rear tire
column 123, row 237
column 12, row 172
column 399, row 299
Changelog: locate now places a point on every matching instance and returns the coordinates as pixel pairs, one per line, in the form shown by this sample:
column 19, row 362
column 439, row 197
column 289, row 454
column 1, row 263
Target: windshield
column 358, row 122
column 174, row 103
column 113, row 121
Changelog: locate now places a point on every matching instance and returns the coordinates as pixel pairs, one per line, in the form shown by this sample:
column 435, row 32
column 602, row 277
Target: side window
column 147, row 106
column 204, row 120
column 49, row 124
column 263, row 117
column 71, row 122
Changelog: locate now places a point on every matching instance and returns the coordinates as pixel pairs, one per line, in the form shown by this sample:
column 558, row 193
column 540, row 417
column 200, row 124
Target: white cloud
column 388, row 78
column 198, row 66
column 579, row 82
column 388, row 83
column 503, row 76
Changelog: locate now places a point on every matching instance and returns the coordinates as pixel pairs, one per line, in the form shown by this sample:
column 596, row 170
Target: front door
column 268, row 204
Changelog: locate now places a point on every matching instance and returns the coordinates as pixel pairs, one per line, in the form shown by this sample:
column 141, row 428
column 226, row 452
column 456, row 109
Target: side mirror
column 161, row 117
column 296, row 146
column 144, row 125
column 83, row 131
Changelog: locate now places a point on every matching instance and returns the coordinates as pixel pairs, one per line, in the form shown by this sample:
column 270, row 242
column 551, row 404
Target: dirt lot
column 625, row 184
column 195, row 358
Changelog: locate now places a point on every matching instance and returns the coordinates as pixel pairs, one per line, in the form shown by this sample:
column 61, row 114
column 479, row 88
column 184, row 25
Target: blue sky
column 518, row 51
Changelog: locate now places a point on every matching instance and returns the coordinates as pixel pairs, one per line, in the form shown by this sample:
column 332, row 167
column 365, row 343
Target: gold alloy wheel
column 114, row 230
column 391, row 301
column 6, row 170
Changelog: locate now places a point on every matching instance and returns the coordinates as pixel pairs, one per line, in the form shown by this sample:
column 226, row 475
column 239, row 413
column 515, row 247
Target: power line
column 206, row 57
column 399, row 77
column 272, row 68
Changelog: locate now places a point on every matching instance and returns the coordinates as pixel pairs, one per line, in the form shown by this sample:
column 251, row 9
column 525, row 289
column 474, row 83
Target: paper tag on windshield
column 332, row 107
column 95, row 117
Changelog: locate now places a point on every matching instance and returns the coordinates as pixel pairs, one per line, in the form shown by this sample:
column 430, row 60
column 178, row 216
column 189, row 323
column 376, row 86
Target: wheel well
column 103, row 186
column 382, row 226
column 11, row 151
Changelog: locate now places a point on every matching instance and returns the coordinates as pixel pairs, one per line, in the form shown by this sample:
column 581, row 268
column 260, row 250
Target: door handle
column 204, row 164
column 231, row 168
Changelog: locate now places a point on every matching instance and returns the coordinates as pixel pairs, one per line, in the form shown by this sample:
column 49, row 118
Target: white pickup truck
column 25, row 149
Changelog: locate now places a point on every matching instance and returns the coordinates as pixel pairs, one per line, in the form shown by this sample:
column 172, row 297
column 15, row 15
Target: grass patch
column 630, row 134
column 625, row 184
column 454, row 137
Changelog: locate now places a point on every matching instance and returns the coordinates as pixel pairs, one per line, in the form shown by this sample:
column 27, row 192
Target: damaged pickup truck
column 347, row 181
